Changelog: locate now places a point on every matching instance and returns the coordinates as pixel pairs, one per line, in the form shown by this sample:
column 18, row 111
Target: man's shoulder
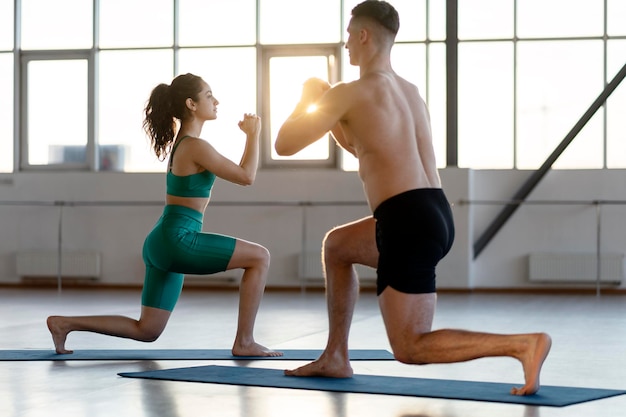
column 344, row 91
column 343, row 85
column 349, row 89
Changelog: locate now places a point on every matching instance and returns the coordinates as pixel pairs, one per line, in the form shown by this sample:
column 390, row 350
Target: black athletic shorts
column 414, row 231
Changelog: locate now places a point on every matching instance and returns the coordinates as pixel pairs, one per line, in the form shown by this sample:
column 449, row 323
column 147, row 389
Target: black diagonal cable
column 534, row 179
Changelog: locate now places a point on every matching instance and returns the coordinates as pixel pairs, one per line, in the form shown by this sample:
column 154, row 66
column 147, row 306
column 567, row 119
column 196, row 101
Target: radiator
column 45, row 264
column 311, row 268
column 575, row 267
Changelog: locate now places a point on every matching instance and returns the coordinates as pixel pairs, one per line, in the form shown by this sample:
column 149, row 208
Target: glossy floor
column 589, row 350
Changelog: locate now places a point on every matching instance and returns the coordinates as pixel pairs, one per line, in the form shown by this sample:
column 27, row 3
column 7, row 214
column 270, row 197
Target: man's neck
column 375, row 68
column 377, row 62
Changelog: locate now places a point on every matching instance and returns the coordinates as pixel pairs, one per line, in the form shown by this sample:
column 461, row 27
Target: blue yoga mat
column 553, row 396
column 178, row 354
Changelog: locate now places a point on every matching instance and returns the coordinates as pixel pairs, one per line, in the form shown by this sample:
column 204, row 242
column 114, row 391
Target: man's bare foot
column 325, row 366
column 59, row 334
column 253, row 349
column 532, row 360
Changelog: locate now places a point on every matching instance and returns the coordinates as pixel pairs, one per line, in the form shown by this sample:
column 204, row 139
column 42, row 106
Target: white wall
column 288, row 229
column 546, row 228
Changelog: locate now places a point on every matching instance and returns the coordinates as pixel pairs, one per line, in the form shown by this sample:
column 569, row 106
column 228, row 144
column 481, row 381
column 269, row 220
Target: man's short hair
column 379, row 11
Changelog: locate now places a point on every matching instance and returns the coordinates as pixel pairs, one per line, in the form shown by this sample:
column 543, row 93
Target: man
column 382, row 120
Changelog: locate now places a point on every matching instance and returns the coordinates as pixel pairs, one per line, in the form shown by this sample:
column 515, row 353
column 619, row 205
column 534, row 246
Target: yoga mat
column 178, row 354
column 553, row 396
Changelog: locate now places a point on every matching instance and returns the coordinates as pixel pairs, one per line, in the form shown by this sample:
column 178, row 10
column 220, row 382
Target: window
column 616, row 15
column 210, row 23
column 256, row 65
column 6, row 86
column 615, row 106
column 299, row 22
column 6, row 112
column 231, row 73
column 551, row 99
column 136, row 23
column 126, row 78
column 6, row 25
column 55, row 125
column 485, row 19
column 47, row 24
column 283, row 85
column 548, row 19
column 486, row 99
column 527, row 72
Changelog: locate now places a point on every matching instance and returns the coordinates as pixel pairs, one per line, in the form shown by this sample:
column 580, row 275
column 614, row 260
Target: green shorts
column 176, row 246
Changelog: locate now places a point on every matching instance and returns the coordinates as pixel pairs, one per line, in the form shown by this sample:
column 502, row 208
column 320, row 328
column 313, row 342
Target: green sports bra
column 194, row 185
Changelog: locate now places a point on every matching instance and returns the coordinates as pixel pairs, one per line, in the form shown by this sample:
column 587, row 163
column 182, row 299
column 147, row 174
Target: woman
column 176, row 245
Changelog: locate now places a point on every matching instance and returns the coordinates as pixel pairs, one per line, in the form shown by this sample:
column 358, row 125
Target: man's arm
column 305, row 126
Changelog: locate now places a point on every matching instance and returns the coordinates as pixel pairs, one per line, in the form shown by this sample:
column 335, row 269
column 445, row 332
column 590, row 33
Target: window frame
column 21, row 130
column 265, row 53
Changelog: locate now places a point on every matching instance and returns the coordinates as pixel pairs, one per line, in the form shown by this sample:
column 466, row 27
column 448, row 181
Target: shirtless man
column 382, row 120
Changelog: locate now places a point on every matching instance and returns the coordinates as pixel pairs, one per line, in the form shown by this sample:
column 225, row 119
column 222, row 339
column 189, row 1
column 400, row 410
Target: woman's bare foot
column 253, row 349
column 59, row 334
column 326, row 365
column 532, row 361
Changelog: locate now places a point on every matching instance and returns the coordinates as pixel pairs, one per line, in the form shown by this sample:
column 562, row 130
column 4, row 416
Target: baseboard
column 81, row 284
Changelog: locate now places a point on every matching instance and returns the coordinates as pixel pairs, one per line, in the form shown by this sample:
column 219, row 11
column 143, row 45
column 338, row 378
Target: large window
column 255, row 54
column 528, row 70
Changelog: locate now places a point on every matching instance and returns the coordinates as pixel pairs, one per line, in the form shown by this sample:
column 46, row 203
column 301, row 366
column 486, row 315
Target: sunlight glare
column 286, row 77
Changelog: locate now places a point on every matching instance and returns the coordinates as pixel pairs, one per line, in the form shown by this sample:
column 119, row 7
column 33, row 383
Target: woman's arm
column 243, row 173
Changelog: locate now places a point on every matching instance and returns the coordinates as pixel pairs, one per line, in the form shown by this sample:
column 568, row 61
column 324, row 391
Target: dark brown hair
column 166, row 106
column 381, row 12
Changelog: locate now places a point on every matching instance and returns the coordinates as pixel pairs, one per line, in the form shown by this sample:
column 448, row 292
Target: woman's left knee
column 262, row 256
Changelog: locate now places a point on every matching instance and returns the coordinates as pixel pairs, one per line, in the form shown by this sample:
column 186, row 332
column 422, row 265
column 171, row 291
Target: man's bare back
column 388, row 126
